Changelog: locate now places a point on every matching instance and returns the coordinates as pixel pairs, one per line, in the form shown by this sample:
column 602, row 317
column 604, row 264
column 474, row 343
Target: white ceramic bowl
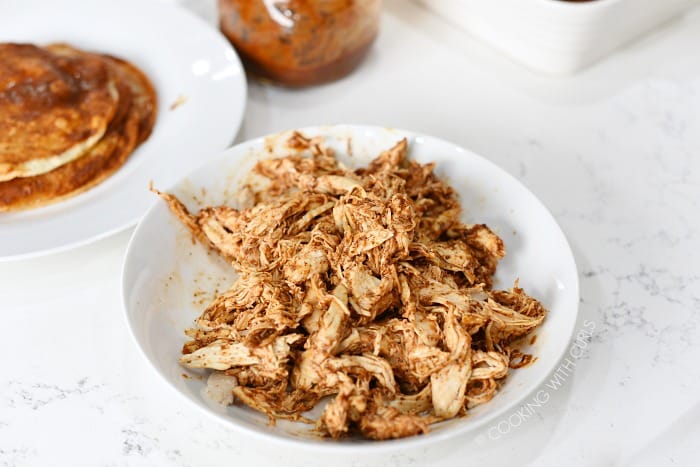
column 163, row 269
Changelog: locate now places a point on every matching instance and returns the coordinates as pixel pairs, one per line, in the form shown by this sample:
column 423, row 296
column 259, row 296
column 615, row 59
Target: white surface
column 557, row 36
column 611, row 152
column 165, row 273
column 199, row 66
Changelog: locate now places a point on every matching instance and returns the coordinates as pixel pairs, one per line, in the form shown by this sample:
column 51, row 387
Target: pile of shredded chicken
column 361, row 286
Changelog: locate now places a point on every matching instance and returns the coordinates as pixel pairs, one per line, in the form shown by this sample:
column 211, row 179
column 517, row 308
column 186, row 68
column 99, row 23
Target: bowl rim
column 365, row 446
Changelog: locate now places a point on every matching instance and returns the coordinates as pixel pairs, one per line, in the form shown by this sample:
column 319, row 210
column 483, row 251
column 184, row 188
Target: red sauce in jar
column 300, row 42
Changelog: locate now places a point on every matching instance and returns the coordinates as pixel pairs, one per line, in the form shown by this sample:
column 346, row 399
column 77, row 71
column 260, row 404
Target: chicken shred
column 363, row 286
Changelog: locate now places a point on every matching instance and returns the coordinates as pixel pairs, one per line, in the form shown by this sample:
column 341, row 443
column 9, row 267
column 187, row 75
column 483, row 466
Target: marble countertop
column 612, row 152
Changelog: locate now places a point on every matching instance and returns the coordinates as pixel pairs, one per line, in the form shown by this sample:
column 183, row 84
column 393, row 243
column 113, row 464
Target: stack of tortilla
column 68, row 120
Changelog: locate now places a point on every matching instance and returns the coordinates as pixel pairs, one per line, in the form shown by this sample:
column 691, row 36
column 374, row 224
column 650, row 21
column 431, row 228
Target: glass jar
column 300, row 42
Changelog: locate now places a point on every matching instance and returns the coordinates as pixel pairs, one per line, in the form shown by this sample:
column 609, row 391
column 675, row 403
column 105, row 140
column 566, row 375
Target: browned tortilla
column 54, row 107
column 131, row 125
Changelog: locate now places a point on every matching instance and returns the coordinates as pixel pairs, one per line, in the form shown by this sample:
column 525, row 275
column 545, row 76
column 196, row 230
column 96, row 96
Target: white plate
column 182, row 56
column 163, row 269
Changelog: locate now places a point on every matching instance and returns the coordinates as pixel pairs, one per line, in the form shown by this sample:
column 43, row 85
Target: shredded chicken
column 362, row 286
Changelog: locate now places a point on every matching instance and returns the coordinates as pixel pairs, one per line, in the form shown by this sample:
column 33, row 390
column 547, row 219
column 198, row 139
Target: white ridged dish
column 556, row 36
